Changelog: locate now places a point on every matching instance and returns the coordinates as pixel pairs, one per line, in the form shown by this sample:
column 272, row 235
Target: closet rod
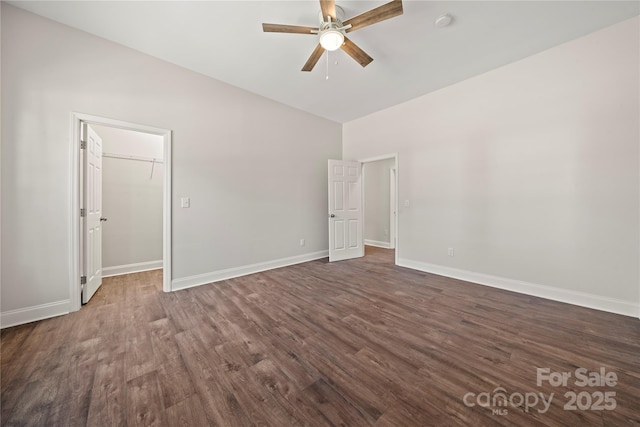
column 138, row 158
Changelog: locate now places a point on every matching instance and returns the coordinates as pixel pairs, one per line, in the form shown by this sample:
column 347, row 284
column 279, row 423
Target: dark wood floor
column 360, row 342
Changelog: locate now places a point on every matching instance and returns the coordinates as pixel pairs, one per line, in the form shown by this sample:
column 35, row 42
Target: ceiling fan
column 332, row 29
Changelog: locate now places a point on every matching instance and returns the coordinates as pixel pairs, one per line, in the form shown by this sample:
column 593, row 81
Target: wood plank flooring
column 355, row 343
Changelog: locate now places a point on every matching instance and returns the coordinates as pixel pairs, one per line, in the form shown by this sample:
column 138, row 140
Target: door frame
column 75, row 266
column 393, row 156
column 393, row 211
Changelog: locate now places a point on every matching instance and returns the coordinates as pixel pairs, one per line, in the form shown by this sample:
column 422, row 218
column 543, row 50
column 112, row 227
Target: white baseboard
column 119, row 270
column 377, row 243
column 582, row 299
column 229, row 273
column 31, row 314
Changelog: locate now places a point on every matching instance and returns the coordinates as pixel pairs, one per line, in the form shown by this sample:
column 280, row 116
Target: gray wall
column 255, row 170
column 530, row 172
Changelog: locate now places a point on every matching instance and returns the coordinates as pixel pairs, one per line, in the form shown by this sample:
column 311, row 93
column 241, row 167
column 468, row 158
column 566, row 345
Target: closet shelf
column 137, row 158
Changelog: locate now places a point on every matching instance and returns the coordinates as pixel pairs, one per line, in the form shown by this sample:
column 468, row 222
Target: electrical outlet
column 302, row 242
column 185, row 202
column 406, row 203
column 450, row 252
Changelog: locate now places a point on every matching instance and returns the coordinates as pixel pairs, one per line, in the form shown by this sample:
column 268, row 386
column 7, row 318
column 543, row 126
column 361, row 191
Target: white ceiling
column 224, row 40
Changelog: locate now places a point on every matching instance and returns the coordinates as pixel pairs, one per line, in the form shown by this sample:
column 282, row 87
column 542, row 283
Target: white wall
column 132, row 193
column 376, row 206
column 256, row 170
column 530, row 172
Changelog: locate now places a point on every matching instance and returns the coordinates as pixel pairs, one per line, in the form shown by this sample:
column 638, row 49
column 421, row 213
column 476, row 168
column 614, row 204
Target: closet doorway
column 380, row 205
column 132, row 188
column 122, row 174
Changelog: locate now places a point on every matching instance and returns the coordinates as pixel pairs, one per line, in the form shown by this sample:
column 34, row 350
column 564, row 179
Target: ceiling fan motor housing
column 339, row 16
column 331, row 31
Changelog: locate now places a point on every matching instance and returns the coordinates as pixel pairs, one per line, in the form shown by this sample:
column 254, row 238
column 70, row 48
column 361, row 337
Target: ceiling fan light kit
column 331, row 39
column 332, row 30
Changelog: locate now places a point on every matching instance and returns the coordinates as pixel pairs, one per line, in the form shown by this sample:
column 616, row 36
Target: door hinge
column 83, row 136
column 83, row 212
column 83, row 280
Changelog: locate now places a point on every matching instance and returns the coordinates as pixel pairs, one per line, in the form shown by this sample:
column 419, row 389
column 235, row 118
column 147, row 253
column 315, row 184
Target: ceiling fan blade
column 313, row 59
column 356, row 53
column 328, row 8
column 381, row 13
column 280, row 28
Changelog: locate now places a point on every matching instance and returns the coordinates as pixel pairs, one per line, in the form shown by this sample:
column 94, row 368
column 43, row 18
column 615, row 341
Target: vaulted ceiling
column 412, row 56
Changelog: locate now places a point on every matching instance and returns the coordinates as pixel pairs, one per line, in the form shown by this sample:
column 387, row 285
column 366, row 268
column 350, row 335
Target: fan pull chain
column 327, row 77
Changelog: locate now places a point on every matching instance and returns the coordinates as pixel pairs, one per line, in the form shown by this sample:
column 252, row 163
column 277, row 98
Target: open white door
column 92, row 219
column 345, row 210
